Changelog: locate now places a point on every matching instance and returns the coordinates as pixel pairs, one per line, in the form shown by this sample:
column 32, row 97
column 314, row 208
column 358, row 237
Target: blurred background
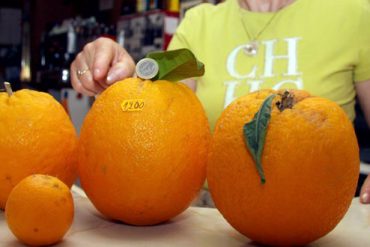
column 40, row 38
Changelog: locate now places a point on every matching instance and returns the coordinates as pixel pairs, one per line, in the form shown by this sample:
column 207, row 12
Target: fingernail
column 113, row 76
column 96, row 72
column 110, row 79
column 365, row 197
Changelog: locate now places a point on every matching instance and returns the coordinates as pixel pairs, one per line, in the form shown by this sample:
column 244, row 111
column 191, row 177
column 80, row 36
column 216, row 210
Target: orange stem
column 8, row 88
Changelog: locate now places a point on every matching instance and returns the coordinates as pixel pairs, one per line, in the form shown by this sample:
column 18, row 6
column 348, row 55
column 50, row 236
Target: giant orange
column 143, row 150
column 37, row 136
column 310, row 163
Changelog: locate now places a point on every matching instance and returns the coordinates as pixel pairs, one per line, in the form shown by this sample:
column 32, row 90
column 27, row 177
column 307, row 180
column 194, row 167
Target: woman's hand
column 100, row 64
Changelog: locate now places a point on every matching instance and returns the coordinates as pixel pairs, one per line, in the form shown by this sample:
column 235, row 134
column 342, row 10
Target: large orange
column 310, row 161
column 39, row 210
column 37, row 136
column 143, row 150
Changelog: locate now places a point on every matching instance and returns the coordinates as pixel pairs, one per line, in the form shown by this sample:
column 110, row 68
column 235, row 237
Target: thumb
column 120, row 70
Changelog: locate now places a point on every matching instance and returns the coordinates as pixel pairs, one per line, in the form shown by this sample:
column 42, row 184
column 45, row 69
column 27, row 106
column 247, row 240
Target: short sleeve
column 180, row 38
column 362, row 70
column 190, row 28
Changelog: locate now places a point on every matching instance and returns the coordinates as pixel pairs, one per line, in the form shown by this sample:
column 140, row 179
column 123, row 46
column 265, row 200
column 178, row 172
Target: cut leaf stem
column 8, row 88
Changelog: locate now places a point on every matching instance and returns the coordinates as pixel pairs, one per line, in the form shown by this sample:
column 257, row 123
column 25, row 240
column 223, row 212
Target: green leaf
column 177, row 65
column 255, row 133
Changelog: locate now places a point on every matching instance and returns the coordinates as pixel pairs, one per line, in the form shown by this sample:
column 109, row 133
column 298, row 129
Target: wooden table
column 194, row 227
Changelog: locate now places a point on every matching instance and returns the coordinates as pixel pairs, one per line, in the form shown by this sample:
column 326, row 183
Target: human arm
column 102, row 62
column 363, row 95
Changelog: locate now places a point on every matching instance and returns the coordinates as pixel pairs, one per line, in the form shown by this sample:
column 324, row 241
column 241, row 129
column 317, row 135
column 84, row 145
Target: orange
column 39, row 210
column 37, row 136
column 143, row 150
column 310, row 161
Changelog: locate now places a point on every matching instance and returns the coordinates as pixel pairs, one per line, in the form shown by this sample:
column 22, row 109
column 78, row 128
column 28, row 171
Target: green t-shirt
column 319, row 46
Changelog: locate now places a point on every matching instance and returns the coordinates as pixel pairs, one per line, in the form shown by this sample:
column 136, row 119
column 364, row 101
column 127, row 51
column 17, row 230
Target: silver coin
column 147, row 68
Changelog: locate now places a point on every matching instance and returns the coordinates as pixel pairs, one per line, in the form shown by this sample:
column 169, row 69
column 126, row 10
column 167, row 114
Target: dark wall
column 45, row 13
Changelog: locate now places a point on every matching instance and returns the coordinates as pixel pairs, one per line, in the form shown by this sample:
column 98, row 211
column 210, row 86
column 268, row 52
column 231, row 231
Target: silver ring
column 81, row 72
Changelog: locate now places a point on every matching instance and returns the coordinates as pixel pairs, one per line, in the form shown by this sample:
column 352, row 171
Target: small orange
column 310, row 160
column 39, row 210
column 143, row 150
column 37, row 136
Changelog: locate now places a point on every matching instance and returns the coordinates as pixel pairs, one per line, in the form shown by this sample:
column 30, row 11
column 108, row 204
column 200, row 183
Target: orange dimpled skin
column 144, row 165
column 37, row 136
column 39, row 210
column 310, row 161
